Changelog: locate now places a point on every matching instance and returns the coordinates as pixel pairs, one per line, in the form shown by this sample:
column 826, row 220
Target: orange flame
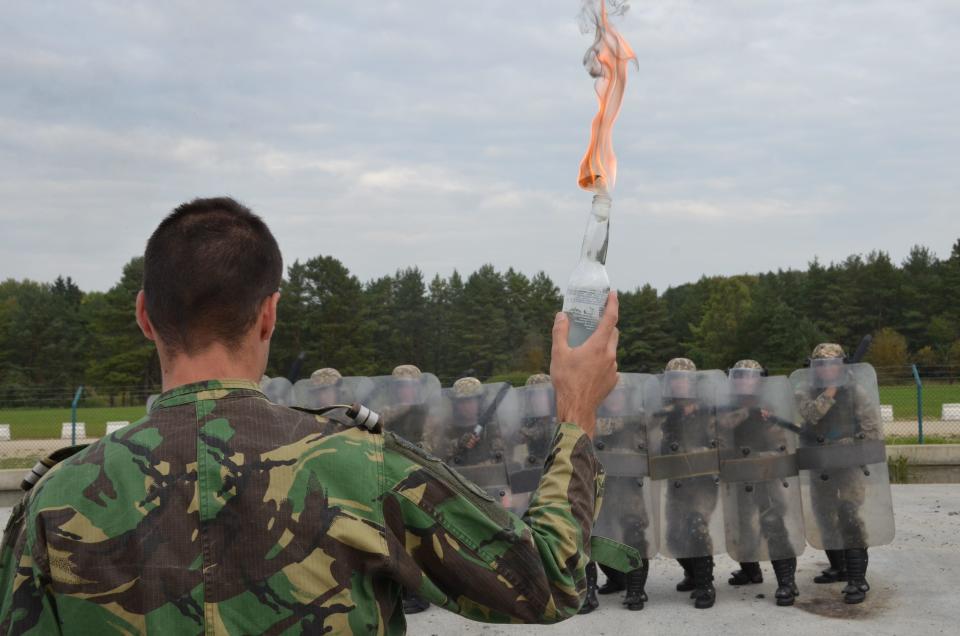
column 607, row 61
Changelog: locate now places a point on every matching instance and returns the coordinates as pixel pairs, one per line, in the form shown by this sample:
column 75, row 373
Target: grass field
column 904, row 400
column 46, row 423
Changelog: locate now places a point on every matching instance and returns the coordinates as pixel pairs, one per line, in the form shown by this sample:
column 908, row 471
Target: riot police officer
column 843, row 457
column 683, row 450
column 760, row 485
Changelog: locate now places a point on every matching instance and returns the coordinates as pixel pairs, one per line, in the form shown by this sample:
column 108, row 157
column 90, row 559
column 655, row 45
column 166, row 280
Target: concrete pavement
column 914, row 590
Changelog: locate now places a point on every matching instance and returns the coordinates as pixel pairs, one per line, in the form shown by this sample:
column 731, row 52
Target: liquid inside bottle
column 589, row 285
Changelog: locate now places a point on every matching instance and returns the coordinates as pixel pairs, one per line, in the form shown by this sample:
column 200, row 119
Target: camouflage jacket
column 222, row 513
column 814, row 405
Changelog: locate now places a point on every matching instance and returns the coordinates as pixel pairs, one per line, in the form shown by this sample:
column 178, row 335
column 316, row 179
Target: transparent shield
column 312, row 395
column 842, row 458
column 760, row 486
column 529, row 423
column 682, row 445
column 467, row 432
column 403, row 403
column 278, row 390
column 631, row 503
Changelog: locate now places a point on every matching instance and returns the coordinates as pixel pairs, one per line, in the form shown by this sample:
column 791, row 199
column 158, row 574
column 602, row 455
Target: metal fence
column 34, row 423
column 918, row 405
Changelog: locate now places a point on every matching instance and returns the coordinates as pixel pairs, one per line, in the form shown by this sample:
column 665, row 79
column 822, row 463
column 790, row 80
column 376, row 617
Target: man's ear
column 143, row 320
column 268, row 316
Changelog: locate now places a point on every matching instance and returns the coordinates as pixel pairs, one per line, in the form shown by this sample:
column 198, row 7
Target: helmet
column 745, row 376
column 538, row 379
column 826, row 350
column 681, row 364
column 467, row 388
column 680, row 379
column 326, row 377
column 539, row 396
column 406, row 372
column 827, row 362
column 747, row 369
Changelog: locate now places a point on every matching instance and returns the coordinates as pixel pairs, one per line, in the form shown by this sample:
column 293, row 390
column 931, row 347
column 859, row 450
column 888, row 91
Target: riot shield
column 466, row 432
column 760, row 485
column 631, row 503
column 278, row 390
column 682, row 445
column 842, row 457
column 403, row 403
column 312, row 395
column 529, row 423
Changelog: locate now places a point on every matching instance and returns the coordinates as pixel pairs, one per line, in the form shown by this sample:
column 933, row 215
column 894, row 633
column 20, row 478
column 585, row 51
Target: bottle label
column 585, row 306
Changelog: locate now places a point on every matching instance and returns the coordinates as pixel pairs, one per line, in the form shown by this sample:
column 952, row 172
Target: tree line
column 54, row 336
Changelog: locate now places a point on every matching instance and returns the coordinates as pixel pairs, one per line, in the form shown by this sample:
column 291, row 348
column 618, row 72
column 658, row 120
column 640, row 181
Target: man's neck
column 214, row 363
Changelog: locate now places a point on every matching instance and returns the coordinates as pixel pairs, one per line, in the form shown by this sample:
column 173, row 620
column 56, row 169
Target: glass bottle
column 589, row 286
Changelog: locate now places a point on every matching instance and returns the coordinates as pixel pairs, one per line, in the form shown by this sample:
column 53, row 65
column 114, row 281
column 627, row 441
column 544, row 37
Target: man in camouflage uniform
column 826, row 412
column 750, row 425
column 220, row 512
column 685, row 421
column 618, row 430
column 405, row 413
column 469, row 441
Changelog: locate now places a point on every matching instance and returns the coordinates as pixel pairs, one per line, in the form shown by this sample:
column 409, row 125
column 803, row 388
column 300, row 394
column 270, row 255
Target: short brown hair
column 207, row 269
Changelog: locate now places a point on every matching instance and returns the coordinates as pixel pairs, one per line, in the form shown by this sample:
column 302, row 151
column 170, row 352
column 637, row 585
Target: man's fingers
column 561, row 331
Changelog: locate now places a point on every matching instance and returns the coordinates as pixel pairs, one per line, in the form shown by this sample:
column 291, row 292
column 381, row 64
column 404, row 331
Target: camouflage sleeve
column 868, row 416
column 25, row 607
column 455, row 546
column 813, row 410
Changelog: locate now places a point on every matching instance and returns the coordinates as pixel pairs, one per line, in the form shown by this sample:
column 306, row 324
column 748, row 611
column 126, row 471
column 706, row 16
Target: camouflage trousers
column 836, row 505
column 689, row 508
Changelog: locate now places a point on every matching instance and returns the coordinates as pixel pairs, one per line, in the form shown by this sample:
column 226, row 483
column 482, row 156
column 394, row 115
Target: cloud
column 446, row 135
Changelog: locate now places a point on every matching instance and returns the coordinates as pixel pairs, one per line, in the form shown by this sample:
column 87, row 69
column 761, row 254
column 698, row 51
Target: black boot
column 704, row 594
column 748, row 574
column 591, row 602
column 686, row 585
column 616, row 581
column 636, row 582
column 412, row 603
column 836, row 572
column 856, row 589
column 786, row 569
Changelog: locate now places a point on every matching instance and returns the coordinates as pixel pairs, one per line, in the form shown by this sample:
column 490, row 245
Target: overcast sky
column 753, row 135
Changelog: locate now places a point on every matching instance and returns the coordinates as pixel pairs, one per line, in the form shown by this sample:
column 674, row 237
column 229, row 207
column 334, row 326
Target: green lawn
column 904, row 399
column 927, row 439
column 45, row 423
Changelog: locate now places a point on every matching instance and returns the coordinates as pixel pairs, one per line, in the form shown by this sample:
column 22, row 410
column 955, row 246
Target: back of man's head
column 207, row 269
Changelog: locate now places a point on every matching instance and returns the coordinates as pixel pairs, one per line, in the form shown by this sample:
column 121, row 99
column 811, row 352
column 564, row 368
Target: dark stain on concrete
column 827, row 601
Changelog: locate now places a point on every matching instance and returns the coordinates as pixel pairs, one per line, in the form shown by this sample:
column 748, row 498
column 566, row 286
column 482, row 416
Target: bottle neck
column 597, row 234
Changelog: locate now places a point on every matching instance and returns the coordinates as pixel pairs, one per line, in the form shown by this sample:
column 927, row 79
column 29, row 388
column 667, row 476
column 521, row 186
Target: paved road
column 914, row 583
